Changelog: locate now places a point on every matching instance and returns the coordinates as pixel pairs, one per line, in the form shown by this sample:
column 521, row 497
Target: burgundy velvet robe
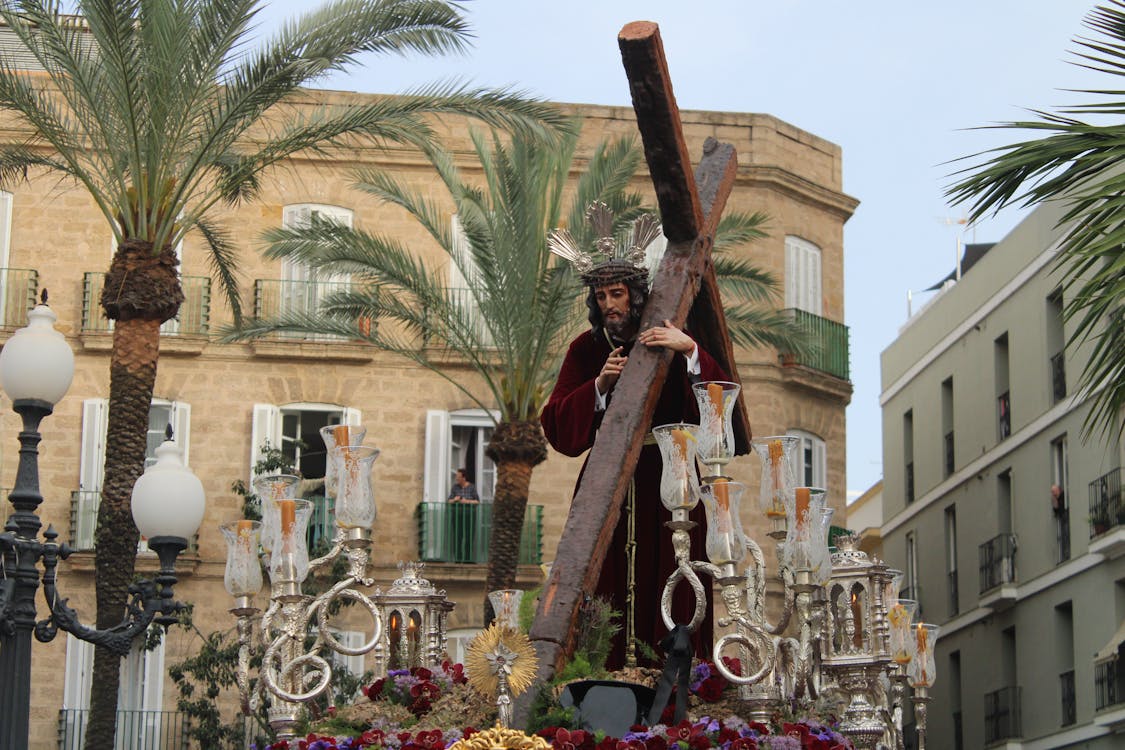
column 570, row 423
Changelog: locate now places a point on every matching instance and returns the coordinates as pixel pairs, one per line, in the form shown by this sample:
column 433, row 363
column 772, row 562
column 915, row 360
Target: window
column 910, row 589
column 951, row 558
column 91, row 465
column 139, row 698
column 948, row 456
column 455, row 440
column 354, row 664
column 463, row 279
column 1003, row 394
column 811, row 460
column 295, row 429
column 13, row 297
column 908, row 454
column 1056, row 343
column 1060, row 504
column 955, row 698
column 303, row 287
column 802, row 275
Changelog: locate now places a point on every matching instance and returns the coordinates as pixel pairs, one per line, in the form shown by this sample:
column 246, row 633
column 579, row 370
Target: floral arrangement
column 730, row 734
column 416, row 688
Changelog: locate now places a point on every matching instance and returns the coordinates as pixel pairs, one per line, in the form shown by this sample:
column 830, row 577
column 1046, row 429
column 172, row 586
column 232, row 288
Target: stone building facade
column 224, row 400
column 981, row 418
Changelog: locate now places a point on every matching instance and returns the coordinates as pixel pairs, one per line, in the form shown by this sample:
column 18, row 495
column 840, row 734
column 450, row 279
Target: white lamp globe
column 168, row 498
column 36, row 362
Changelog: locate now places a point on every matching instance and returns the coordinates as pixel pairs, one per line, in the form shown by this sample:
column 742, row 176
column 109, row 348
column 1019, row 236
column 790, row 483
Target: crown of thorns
column 609, row 262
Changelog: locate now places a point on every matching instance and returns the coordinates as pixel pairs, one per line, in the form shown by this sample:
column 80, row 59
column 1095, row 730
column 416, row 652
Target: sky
column 903, row 88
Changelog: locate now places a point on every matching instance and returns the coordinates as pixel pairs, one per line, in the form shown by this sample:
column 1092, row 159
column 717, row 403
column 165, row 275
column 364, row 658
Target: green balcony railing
column 193, row 319
column 18, row 290
column 456, row 532
column 136, row 730
column 276, row 297
column 830, row 340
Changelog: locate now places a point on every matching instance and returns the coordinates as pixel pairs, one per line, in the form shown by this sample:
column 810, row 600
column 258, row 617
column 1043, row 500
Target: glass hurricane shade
column 716, row 399
column 892, row 586
column 725, row 541
column 900, row 616
column 289, row 560
column 168, row 498
column 36, row 362
column 335, row 435
column 779, row 473
column 243, row 575
column 270, row 489
column 355, row 498
column 506, row 605
column 679, row 483
column 806, row 536
column 923, row 667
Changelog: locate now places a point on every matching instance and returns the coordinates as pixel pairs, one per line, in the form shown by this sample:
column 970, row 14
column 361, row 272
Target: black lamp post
column 36, row 368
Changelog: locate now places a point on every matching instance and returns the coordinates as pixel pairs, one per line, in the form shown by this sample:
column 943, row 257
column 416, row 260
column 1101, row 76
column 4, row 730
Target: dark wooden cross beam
column 684, row 289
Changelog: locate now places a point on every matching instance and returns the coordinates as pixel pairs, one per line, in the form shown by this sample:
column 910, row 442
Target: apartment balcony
column 1057, row 366
column 1107, row 515
column 193, row 319
column 459, row 533
column 274, row 298
column 1109, row 694
column 1002, row 715
column 136, row 730
column 19, row 289
column 998, row 572
column 831, row 341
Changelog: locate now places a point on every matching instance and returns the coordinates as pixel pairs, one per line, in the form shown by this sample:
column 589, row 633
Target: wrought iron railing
column 954, row 599
column 274, row 298
column 18, row 290
column 1002, row 714
column 1004, row 414
column 1109, row 684
column 1106, row 509
column 84, row 522
column 947, row 444
column 322, row 523
column 997, row 561
column 193, row 318
column 1062, row 535
column 136, row 730
column 1058, row 377
column 459, row 532
column 910, row 483
column 1066, row 693
column 830, row 340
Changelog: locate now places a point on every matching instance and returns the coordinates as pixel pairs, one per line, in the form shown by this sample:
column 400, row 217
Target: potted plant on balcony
column 1099, row 520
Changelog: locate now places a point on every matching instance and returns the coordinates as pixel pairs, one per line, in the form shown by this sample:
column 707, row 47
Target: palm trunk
column 516, row 448
column 137, row 294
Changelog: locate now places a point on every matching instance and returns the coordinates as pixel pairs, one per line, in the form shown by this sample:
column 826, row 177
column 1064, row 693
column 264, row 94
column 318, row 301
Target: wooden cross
column 684, row 290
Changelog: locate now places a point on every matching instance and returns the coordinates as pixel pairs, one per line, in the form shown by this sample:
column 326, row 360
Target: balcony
column 1004, row 414
column 193, row 319
column 830, row 339
column 1109, row 685
column 910, row 483
column 277, row 297
column 1057, row 366
column 998, row 572
column 470, row 319
column 1066, row 693
column 19, row 288
column 458, row 533
column 948, row 455
column 1107, row 515
column 136, row 730
column 1002, row 715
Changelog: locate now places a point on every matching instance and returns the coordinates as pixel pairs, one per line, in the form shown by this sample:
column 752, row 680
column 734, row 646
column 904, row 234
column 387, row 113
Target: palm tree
column 1078, row 163
column 148, row 105
column 525, row 304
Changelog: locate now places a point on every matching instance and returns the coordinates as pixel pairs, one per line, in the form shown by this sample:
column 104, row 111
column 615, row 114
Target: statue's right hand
column 611, row 370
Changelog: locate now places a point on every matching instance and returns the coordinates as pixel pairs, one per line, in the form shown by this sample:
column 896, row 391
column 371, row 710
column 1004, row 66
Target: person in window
column 1058, row 499
column 618, row 289
column 463, row 517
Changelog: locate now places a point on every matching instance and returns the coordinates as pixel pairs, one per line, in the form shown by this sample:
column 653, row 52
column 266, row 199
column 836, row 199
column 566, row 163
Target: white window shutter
column 792, row 285
column 353, row 417
column 181, row 427
column 95, row 412
column 461, row 257
column 79, row 673
column 265, row 428
column 296, row 216
column 436, row 470
column 820, row 463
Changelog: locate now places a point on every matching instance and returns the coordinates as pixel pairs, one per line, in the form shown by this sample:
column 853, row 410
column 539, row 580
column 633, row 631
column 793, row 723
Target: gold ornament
column 500, row 650
column 499, row 738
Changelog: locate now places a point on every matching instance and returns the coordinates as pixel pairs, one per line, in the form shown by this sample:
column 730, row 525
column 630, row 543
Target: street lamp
column 36, row 368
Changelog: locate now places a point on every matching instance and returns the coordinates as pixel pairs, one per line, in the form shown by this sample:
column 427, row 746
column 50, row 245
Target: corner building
column 226, row 400
column 981, row 417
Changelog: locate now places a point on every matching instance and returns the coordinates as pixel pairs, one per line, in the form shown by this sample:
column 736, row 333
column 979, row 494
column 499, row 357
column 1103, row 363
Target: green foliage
column 528, row 604
column 546, row 712
column 598, row 622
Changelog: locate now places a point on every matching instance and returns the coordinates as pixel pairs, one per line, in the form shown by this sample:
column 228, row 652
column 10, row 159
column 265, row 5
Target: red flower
column 577, row 739
column 431, row 740
column 607, row 743
column 656, row 742
column 759, row 727
column 425, row 689
column 548, row 733
column 630, row 745
column 457, row 674
column 373, row 737
column 375, row 689
column 801, row 731
column 422, row 673
column 726, row 734
column 403, row 737
column 668, row 715
column 684, row 731
column 469, row 732
column 812, row 742
column 734, row 665
column 420, row 706
column 743, row 743
column 711, row 689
